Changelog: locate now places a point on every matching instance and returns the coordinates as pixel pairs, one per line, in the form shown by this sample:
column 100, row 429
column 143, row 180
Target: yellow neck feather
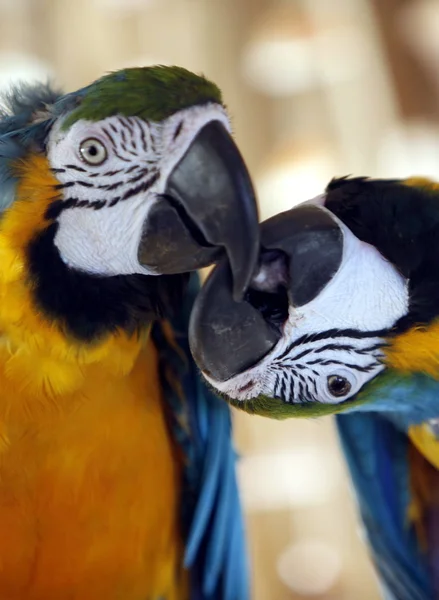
column 35, row 352
column 422, row 182
column 416, row 350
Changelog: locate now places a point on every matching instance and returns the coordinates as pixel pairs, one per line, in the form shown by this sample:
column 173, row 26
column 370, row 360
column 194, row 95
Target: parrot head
column 344, row 303
column 113, row 193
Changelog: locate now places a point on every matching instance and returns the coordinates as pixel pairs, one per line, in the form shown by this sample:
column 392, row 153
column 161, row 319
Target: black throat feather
column 88, row 307
column 402, row 222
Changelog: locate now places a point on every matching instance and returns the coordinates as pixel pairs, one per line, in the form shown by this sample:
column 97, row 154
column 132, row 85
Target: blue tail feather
column 206, row 499
column 212, row 519
column 221, row 526
column 376, row 454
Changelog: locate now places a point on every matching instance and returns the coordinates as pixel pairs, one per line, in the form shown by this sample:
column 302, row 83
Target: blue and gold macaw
column 117, row 469
column 342, row 317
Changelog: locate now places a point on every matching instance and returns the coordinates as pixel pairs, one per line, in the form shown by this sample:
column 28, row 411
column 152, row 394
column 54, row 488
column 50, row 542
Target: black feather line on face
column 88, row 306
column 402, row 222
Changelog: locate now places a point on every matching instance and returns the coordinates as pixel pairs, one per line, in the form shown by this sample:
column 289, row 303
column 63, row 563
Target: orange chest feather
column 89, row 495
column 88, row 490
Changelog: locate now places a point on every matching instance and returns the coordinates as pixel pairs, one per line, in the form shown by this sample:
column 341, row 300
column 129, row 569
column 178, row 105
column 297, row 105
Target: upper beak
column 227, row 336
column 208, row 209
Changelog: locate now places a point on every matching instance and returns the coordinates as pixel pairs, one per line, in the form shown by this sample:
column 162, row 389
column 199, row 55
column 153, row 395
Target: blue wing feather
column 376, row 453
column 212, row 519
column 221, row 527
column 206, row 499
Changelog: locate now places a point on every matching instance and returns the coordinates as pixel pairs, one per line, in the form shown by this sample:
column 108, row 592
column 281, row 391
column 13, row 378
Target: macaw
column 117, row 469
column 342, row 317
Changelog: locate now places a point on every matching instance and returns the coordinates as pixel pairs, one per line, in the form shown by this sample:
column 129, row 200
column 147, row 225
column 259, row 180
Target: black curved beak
column 208, row 209
column 301, row 250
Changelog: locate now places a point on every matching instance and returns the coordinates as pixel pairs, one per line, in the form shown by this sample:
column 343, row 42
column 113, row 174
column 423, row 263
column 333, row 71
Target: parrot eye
column 338, row 386
column 93, row 152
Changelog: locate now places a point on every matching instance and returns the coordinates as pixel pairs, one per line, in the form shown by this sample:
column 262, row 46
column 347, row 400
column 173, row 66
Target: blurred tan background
column 316, row 88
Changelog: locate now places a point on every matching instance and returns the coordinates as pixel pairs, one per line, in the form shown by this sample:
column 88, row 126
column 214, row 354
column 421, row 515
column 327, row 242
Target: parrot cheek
column 256, row 381
column 102, row 242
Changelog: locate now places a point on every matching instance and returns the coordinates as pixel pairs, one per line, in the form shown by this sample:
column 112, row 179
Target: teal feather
column 376, row 453
column 28, row 112
column 406, row 399
column 375, row 444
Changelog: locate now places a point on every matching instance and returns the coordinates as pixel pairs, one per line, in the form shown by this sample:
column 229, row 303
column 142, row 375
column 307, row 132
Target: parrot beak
column 301, row 251
column 208, row 210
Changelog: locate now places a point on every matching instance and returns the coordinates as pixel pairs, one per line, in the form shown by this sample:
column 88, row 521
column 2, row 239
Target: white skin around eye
column 100, row 232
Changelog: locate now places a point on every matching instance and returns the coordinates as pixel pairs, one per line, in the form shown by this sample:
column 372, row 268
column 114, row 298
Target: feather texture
column 213, row 521
column 83, row 427
column 377, row 456
column 28, row 111
column 152, row 93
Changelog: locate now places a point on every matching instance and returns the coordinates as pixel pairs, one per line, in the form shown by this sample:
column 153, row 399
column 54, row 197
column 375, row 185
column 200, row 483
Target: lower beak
column 208, row 209
column 301, row 252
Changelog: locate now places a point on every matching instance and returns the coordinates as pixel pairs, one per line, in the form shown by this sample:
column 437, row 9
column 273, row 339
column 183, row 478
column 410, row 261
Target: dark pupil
column 92, row 150
column 338, row 386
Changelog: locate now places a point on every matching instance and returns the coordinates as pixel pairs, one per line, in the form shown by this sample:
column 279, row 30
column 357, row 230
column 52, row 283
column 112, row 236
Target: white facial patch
column 331, row 346
column 367, row 292
column 106, row 205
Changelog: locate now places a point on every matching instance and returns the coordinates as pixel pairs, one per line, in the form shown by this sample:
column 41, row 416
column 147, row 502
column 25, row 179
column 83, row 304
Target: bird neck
column 39, row 359
column 38, row 350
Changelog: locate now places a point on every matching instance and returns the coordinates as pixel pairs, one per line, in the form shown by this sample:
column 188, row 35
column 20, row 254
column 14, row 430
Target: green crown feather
column 151, row 93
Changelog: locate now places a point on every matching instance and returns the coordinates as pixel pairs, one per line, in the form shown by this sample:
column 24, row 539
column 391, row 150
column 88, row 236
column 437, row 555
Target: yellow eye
column 338, row 386
column 93, row 152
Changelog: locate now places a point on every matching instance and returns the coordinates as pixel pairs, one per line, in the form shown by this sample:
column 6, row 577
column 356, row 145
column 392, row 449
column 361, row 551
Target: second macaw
column 342, row 317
